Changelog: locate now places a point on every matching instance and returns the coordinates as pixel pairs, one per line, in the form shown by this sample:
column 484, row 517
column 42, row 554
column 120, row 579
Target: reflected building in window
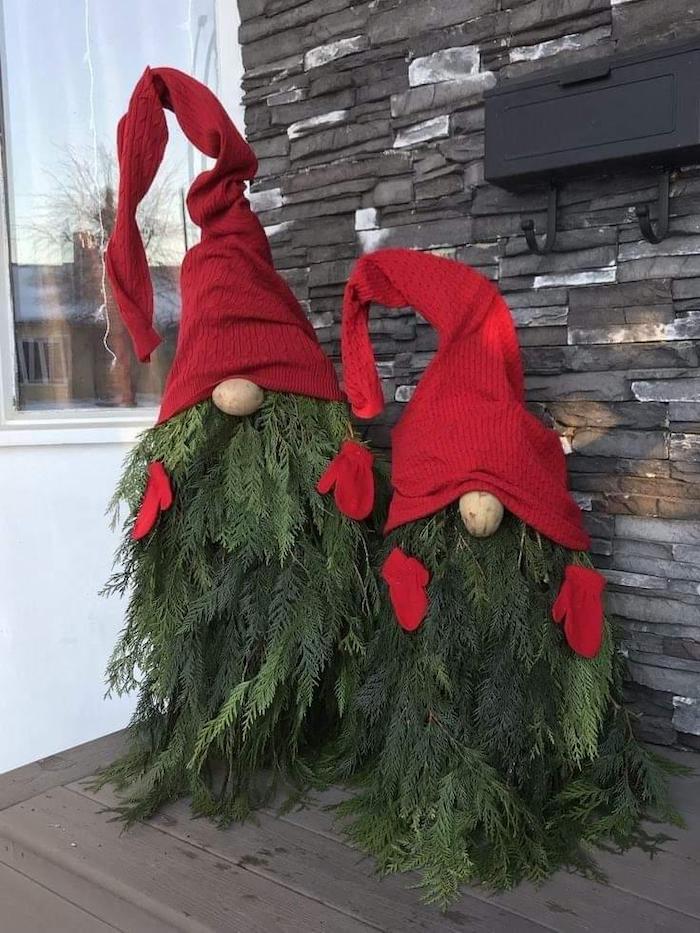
column 60, row 334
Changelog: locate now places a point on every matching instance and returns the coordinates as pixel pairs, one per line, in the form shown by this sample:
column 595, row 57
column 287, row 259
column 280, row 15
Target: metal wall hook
column 528, row 227
column 642, row 211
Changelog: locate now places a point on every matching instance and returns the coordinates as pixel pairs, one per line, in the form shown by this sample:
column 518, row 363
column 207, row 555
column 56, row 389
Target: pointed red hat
column 239, row 317
column 466, row 427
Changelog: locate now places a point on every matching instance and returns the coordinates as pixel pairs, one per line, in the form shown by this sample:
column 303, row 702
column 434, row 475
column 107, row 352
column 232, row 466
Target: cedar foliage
column 481, row 747
column 248, row 607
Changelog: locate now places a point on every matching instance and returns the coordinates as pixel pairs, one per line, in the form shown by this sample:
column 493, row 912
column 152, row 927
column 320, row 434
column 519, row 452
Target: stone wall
column 368, row 121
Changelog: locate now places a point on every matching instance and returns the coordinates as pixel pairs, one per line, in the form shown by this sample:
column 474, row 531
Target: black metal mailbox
column 637, row 107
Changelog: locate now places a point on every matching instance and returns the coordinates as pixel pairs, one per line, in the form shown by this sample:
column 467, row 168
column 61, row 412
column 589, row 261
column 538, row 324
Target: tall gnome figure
column 249, row 593
column 488, row 734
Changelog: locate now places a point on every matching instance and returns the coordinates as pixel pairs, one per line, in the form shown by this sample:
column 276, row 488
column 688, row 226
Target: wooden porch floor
column 66, row 868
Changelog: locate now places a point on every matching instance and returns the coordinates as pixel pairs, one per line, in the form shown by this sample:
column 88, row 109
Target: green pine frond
column 249, row 606
column 480, row 748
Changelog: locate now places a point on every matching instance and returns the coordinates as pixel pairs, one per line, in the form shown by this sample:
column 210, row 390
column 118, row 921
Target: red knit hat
column 466, row 427
column 239, row 317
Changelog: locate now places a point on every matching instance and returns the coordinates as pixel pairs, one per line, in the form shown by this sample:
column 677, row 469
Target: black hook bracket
column 642, row 211
column 528, row 226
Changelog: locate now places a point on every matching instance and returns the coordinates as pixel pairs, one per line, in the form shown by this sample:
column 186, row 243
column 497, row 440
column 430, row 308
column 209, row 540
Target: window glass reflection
column 69, row 69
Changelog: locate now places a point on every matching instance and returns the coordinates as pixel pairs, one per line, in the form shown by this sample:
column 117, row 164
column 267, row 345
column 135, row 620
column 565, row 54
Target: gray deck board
column 176, row 883
column 642, row 893
column 71, row 765
column 27, row 907
column 66, row 866
column 324, row 869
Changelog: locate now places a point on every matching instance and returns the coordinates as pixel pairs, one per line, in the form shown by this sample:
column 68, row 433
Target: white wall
column 56, row 633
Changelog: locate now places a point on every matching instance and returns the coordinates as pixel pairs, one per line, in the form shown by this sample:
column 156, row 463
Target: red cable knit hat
column 466, row 427
column 239, row 317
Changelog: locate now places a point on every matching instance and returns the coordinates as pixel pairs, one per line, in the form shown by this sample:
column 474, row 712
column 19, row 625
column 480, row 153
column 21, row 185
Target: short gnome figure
column 488, row 734
column 249, row 594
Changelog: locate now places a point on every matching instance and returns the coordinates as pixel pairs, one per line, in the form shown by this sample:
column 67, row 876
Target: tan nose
column 238, row 397
column 481, row 513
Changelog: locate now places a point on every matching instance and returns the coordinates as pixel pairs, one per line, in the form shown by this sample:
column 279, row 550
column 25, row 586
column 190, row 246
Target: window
column 67, row 72
column 41, row 361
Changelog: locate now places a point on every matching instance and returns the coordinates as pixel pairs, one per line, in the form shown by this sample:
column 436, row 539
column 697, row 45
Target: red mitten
column 407, row 579
column 157, row 498
column 351, row 478
column 579, row 606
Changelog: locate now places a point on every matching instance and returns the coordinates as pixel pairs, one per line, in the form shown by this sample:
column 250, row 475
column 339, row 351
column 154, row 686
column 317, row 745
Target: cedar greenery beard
column 250, row 605
column 480, row 748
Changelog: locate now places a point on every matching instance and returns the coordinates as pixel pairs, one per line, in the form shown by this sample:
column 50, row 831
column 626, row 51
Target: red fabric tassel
column 351, row 477
column 157, row 498
column 407, row 579
column 579, row 606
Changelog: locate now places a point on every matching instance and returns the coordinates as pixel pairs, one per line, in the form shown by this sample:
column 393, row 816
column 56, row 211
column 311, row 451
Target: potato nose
column 481, row 513
column 238, row 397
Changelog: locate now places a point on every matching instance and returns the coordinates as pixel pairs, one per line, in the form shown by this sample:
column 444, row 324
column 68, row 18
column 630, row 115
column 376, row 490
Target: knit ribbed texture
column 239, row 317
column 466, row 427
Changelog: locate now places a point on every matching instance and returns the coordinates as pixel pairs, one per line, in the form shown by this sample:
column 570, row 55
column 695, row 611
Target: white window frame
column 91, row 425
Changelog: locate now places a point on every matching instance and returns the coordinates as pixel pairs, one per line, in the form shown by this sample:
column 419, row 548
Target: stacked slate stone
column 368, row 121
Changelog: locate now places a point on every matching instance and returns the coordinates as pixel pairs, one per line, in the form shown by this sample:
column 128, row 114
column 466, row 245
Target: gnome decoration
column 248, row 592
column 488, row 732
